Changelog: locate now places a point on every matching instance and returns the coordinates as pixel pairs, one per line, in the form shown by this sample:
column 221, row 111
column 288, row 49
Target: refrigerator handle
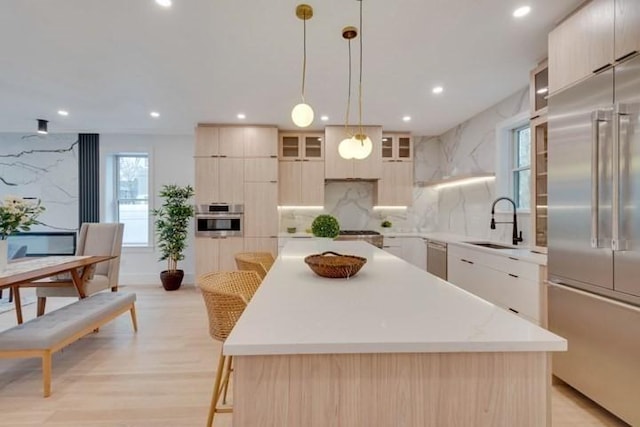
column 620, row 132
column 597, row 117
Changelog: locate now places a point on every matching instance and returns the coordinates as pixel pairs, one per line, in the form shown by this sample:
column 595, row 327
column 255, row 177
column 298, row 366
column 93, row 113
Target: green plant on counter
column 386, row 224
column 325, row 226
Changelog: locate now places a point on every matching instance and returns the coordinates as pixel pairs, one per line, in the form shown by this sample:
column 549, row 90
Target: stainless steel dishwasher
column 437, row 258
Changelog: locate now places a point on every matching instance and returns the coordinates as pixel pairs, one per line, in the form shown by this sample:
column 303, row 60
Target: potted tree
column 172, row 221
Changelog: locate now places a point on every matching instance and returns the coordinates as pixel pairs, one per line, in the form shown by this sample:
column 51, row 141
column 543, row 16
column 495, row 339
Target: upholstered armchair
column 94, row 239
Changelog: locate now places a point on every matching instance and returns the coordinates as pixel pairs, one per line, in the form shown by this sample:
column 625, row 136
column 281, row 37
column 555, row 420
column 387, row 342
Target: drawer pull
column 467, row 261
column 628, row 55
column 513, row 275
column 515, row 259
column 515, row 311
column 604, row 67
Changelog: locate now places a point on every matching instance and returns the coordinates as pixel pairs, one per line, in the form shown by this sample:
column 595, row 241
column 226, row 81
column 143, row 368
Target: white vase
column 4, row 249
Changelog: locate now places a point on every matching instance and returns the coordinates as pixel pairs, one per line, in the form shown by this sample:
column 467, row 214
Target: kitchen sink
column 490, row 245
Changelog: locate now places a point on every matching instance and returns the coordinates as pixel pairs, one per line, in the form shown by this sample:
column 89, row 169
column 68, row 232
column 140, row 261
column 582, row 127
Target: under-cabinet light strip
column 395, row 208
column 465, row 181
column 301, row 207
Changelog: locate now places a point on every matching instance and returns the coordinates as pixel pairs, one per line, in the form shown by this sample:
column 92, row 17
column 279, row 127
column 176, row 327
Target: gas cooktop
column 359, row 233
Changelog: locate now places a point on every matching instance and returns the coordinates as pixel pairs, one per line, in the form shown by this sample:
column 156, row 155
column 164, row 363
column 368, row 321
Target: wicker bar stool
column 226, row 294
column 260, row 262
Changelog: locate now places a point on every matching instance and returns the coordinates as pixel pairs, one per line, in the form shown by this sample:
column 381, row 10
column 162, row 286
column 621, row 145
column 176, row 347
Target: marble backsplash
column 45, row 167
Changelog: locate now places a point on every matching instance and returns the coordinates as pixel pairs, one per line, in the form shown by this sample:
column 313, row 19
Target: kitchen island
column 392, row 346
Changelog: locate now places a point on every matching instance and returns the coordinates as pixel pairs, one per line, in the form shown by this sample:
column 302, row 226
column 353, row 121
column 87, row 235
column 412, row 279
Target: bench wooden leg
column 134, row 318
column 46, row 373
column 42, row 302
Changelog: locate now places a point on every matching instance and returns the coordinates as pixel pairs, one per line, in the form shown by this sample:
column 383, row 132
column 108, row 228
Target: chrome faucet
column 515, row 236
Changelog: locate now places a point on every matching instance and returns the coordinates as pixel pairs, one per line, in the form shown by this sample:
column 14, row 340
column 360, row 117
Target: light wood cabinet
column 514, row 285
column 207, row 144
column 338, row 168
column 261, row 244
column 395, row 188
column 231, row 141
column 261, row 169
column 396, row 147
column 539, row 89
column 261, row 209
column 301, row 183
column 411, row 249
column 627, row 31
column 582, row 44
column 539, row 156
column 261, row 142
column 219, row 180
column 217, row 254
column 301, row 146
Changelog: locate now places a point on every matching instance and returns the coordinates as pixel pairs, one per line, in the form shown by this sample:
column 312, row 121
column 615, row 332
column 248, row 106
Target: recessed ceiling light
column 542, row 91
column 154, row 114
column 437, row 90
column 385, row 139
column 406, row 119
column 324, row 118
column 63, row 112
column 164, row 3
column 241, row 116
column 521, row 11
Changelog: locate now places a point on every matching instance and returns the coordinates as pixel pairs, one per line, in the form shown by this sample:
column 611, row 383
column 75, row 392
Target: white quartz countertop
column 389, row 307
column 522, row 253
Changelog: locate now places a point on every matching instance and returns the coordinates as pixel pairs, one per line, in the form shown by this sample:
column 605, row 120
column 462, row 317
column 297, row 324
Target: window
column 521, row 167
column 513, row 161
column 132, row 197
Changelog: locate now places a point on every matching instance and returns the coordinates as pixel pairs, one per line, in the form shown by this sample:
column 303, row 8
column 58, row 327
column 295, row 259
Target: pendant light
column 345, row 148
column 355, row 146
column 302, row 114
column 361, row 142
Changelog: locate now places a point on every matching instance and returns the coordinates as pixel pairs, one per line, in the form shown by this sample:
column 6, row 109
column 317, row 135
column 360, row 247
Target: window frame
column 113, row 210
column 505, row 160
column 514, row 180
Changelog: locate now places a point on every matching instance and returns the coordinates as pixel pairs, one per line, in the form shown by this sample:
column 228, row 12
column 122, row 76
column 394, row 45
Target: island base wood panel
column 380, row 390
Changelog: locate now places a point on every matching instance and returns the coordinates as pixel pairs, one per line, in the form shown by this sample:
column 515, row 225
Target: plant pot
column 171, row 280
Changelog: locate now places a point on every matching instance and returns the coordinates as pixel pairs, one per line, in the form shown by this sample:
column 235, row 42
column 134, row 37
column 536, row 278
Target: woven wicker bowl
column 334, row 265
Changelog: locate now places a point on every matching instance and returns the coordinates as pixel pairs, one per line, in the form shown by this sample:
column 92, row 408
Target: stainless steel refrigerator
column 594, row 236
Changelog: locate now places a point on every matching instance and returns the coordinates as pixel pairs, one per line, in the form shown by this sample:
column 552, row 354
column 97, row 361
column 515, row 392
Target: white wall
column 171, row 162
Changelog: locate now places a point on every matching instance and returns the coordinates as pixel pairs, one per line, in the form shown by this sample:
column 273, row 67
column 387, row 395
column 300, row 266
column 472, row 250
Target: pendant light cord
column 360, row 79
column 346, row 122
column 304, row 54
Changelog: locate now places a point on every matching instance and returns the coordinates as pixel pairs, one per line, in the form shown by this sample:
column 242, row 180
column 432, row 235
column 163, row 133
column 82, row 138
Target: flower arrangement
column 16, row 214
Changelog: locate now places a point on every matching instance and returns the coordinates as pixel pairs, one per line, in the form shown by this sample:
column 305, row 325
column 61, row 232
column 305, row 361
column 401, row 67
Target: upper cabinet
column 396, row 147
column 236, row 141
column 539, row 89
column 301, row 169
column 338, row 168
column 584, row 43
column 627, row 31
column 301, row 146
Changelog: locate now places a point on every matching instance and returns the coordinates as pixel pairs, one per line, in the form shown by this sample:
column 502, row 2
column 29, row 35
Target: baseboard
column 149, row 279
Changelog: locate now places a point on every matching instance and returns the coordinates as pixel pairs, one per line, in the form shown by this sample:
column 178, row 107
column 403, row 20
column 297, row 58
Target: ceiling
column 111, row 62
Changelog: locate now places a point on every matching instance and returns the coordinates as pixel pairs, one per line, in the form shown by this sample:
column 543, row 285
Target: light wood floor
column 161, row 376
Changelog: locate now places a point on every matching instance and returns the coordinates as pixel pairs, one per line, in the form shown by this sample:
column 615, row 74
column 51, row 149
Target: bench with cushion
column 44, row 335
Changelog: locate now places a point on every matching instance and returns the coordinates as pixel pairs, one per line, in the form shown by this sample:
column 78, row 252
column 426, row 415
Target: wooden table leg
column 18, row 303
column 78, row 282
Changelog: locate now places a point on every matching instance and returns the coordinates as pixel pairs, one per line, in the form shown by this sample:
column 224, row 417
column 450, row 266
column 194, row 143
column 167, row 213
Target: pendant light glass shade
column 346, row 149
column 302, row 115
column 362, row 146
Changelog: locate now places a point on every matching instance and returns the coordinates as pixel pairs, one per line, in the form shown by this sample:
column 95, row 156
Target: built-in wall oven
column 219, row 220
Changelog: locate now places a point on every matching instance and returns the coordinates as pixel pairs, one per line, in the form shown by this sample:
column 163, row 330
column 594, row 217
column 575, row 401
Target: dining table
column 30, row 272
